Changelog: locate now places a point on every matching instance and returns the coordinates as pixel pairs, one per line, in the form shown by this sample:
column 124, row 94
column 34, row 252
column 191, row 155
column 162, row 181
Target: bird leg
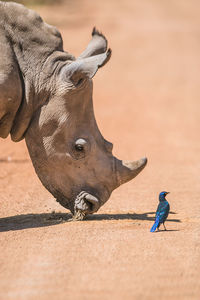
column 164, row 227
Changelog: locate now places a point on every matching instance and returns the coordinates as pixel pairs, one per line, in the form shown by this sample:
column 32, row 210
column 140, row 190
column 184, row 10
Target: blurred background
column 146, row 102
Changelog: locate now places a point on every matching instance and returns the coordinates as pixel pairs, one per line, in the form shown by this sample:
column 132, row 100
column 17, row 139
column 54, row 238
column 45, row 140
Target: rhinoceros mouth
column 85, row 203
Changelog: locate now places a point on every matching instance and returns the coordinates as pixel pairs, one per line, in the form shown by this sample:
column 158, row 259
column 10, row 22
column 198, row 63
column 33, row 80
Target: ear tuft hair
column 98, row 33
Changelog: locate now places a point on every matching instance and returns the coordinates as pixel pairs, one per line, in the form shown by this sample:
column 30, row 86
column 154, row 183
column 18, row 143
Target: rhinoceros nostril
column 85, row 203
column 93, row 201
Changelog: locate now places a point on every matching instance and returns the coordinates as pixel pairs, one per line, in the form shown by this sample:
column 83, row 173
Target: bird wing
column 162, row 211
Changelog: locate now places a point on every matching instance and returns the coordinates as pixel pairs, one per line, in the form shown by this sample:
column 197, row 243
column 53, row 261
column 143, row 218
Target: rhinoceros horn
column 127, row 170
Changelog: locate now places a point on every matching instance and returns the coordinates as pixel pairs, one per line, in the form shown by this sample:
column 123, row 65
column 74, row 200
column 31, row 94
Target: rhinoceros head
column 71, row 157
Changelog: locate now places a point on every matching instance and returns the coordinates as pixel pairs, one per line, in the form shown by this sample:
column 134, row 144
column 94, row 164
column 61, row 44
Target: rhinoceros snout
column 86, row 203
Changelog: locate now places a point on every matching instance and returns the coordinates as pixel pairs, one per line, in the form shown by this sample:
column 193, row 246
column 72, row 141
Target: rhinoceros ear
column 97, row 45
column 86, row 67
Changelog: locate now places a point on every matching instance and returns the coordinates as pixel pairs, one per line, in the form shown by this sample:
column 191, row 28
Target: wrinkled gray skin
column 46, row 98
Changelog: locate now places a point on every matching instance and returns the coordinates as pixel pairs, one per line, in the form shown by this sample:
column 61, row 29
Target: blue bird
column 162, row 212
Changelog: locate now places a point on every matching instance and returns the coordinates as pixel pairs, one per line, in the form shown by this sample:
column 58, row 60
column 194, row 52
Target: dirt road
column 147, row 103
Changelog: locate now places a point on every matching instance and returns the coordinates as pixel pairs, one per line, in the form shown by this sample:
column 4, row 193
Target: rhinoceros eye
column 80, row 144
column 80, row 148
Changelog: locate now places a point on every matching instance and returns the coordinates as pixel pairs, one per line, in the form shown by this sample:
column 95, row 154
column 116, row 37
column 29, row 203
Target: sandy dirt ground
column 146, row 102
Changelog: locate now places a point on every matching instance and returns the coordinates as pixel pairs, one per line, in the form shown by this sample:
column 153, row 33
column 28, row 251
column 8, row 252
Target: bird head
column 162, row 196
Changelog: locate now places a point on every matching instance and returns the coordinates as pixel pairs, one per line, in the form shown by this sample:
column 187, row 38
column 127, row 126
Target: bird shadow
column 160, row 231
column 28, row 221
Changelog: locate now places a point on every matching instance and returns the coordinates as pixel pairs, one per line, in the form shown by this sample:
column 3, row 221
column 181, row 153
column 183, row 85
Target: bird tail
column 155, row 225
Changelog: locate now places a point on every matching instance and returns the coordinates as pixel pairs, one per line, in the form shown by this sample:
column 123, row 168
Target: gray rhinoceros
column 46, row 98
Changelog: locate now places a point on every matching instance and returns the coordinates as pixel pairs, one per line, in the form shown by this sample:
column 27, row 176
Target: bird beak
column 167, row 193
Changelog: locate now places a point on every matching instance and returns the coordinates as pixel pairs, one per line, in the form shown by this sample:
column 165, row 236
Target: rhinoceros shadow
column 20, row 222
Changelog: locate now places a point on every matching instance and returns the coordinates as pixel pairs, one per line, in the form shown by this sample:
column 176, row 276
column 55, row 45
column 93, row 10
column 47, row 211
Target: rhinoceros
column 46, row 99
